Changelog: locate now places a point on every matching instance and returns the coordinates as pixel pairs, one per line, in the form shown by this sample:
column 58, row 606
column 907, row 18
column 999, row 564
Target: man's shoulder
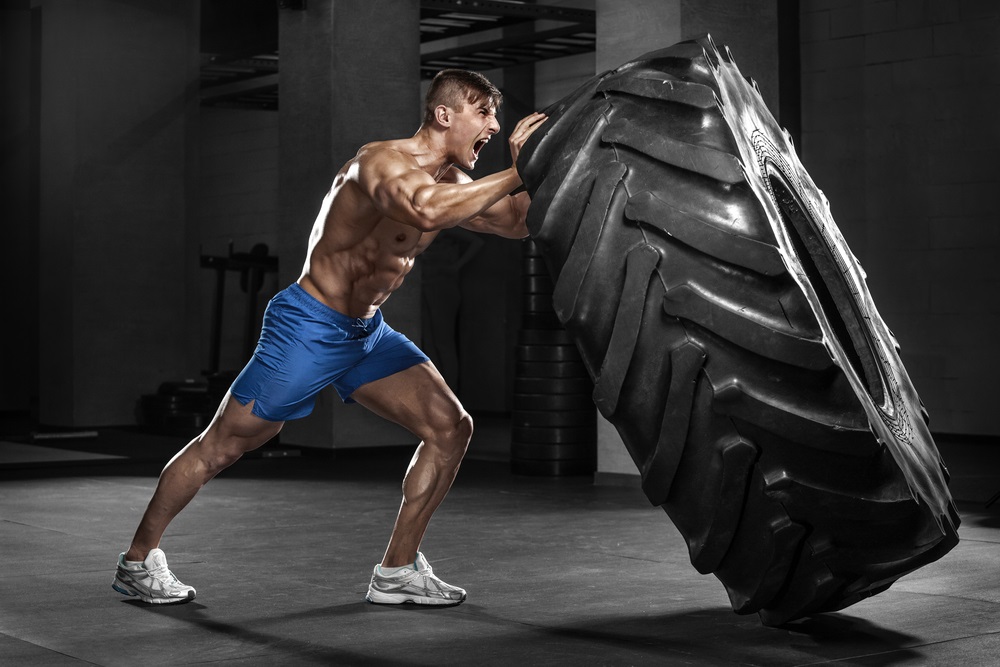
column 381, row 160
column 388, row 149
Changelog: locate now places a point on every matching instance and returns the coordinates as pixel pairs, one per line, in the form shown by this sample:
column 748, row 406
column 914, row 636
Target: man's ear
column 442, row 115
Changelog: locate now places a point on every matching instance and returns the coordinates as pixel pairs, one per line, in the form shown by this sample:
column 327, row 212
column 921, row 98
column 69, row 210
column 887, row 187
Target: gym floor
column 559, row 571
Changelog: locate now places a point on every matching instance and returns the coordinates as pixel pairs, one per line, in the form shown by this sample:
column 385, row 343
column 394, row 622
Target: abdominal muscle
column 356, row 257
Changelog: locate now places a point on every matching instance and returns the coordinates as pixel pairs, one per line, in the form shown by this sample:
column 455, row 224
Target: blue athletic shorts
column 305, row 346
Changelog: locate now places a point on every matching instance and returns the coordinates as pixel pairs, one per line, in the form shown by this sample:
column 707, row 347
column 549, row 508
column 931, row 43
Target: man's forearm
column 444, row 205
column 506, row 218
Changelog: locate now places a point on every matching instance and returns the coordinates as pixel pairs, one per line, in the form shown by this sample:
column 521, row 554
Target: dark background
column 124, row 162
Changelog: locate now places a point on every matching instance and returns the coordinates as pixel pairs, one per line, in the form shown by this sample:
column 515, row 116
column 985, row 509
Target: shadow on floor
column 715, row 636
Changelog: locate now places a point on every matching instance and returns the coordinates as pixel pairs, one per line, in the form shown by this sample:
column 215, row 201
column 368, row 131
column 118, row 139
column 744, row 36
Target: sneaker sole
column 125, row 589
column 375, row 597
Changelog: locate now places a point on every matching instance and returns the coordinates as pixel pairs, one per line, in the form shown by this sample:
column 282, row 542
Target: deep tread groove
column 575, row 270
column 639, row 266
column 694, row 304
column 661, row 86
column 659, row 470
column 701, row 235
column 708, row 549
column 773, row 413
column 699, row 159
column 560, row 202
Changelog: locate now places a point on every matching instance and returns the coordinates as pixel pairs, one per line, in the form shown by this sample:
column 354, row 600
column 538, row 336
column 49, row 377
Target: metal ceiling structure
column 468, row 34
column 249, row 82
column 521, row 38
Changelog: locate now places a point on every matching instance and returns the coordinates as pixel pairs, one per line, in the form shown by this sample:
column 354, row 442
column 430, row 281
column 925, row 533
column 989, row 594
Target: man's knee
column 449, row 433
column 463, row 430
column 452, row 434
column 218, row 451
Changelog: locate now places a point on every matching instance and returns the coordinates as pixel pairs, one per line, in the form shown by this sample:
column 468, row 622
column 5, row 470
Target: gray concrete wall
column 237, row 203
column 118, row 106
column 899, row 107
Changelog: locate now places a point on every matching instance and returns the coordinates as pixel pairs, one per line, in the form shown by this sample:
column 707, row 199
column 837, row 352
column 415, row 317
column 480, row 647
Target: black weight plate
column 537, row 284
column 550, row 369
column 553, row 402
column 537, row 303
column 548, row 353
column 554, row 435
column 542, row 418
column 541, row 321
column 550, row 452
column 531, row 249
column 552, row 468
column 534, row 266
column 544, row 337
column 547, row 386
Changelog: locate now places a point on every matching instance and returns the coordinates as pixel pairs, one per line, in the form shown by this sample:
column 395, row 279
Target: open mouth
column 478, row 146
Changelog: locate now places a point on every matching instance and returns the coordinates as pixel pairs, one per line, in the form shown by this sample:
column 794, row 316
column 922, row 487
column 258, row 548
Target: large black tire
column 731, row 337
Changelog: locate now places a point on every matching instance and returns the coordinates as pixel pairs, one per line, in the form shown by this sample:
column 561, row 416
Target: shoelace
column 162, row 573
column 412, row 575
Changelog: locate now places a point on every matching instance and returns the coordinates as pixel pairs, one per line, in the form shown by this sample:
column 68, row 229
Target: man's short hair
column 456, row 87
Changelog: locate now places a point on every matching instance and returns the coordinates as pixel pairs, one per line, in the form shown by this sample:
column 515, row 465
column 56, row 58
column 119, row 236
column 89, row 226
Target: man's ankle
column 135, row 555
column 389, row 563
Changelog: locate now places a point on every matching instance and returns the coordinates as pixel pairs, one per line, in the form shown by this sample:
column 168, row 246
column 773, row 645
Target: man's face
column 471, row 127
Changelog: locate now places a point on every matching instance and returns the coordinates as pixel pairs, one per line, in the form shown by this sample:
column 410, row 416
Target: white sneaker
column 415, row 583
column 151, row 580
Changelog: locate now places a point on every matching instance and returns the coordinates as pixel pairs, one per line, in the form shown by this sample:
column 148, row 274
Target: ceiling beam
column 520, row 10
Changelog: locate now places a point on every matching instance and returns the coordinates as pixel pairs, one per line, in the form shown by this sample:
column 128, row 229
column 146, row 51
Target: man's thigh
column 235, row 425
column 417, row 399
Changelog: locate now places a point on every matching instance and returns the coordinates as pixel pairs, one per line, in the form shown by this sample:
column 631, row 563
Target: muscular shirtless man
column 385, row 206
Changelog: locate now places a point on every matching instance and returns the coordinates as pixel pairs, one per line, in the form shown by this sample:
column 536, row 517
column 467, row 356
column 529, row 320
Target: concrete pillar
column 349, row 75
column 118, row 101
column 629, row 28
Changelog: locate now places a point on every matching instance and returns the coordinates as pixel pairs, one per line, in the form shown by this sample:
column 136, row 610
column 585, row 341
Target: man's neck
column 430, row 153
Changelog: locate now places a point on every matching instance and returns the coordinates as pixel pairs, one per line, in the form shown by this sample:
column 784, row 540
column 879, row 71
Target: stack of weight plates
column 178, row 408
column 554, row 427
